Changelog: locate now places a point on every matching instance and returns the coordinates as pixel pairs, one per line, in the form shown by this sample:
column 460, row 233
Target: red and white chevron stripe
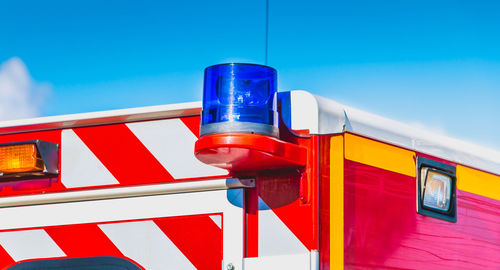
column 190, row 242
column 118, row 155
column 196, row 230
column 129, row 154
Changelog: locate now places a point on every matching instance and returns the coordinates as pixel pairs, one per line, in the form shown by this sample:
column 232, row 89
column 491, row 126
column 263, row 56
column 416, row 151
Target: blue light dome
column 240, row 98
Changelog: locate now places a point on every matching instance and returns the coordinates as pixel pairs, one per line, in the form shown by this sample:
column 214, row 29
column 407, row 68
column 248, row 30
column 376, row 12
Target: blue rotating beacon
column 240, row 98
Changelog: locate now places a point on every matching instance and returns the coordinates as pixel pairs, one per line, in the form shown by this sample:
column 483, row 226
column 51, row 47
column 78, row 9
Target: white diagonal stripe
column 30, row 244
column 275, row 238
column 217, row 219
column 79, row 166
column 146, row 244
column 172, row 144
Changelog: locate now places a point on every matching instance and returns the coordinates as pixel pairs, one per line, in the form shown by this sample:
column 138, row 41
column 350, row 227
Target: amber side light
column 20, row 158
column 28, row 158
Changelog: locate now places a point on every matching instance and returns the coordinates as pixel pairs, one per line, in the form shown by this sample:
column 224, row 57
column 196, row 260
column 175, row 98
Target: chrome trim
column 50, row 155
column 126, row 192
column 314, row 260
column 239, row 127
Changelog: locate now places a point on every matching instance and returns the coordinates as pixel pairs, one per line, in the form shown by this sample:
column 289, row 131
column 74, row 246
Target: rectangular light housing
column 28, row 158
column 436, row 191
column 20, row 158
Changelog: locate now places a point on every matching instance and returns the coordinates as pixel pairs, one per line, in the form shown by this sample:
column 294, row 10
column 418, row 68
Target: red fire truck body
column 339, row 188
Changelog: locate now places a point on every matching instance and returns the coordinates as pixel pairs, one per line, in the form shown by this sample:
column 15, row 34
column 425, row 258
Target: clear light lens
column 436, row 189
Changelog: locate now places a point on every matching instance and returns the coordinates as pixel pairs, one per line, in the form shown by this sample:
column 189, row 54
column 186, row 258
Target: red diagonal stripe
column 5, row 259
column 193, row 123
column 83, row 240
column 197, row 237
column 123, row 154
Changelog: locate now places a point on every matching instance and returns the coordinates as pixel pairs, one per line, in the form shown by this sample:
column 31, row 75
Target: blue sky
column 430, row 63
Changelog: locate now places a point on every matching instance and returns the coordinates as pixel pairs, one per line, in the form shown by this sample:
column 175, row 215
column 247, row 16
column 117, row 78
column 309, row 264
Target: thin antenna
column 267, row 31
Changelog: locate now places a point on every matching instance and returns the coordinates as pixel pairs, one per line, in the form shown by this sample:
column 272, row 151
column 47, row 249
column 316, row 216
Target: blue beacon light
column 240, row 98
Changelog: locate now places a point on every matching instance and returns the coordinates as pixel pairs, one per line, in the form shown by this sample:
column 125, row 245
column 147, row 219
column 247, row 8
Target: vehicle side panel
column 383, row 230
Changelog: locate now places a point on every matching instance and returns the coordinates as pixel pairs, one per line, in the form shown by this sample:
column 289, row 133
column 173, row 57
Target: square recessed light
column 436, row 189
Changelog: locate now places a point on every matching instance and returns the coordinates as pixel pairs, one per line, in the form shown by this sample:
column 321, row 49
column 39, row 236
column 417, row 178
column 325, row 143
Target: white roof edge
column 100, row 118
column 319, row 115
column 332, row 117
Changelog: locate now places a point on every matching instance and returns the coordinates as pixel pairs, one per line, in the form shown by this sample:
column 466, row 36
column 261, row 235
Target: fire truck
column 249, row 178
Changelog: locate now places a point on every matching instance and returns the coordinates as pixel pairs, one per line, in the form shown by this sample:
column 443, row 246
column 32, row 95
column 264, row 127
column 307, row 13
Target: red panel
column 312, row 180
column 252, row 222
column 197, row 237
column 123, row 154
column 49, row 136
column 383, row 230
column 83, row 240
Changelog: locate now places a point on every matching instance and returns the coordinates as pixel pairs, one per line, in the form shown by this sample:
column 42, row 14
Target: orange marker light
column 20, row 158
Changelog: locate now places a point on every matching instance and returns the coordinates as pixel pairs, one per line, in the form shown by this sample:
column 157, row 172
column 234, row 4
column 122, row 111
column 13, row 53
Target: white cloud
column 20, row 96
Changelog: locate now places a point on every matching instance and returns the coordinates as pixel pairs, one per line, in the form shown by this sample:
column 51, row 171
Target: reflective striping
column 380, row 155
column 337, row 202
column 145, row 243
column 197, row 237
column 79, row 166
column 30, row 244
column 172, row 144
column 83, row 240
column 123, row 154
column 192, row 123
column 121, row 210
column 163, row 150
column 478, row 182
column 275, row 238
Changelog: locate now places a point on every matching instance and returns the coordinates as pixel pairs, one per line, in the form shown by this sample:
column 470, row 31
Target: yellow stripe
column 478, row 182
column 379, row 155
column 337, row 202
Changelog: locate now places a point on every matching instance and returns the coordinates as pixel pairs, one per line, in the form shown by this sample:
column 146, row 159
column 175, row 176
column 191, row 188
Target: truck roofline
column 320, row 116
column 100, row 118
column 317, row 114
